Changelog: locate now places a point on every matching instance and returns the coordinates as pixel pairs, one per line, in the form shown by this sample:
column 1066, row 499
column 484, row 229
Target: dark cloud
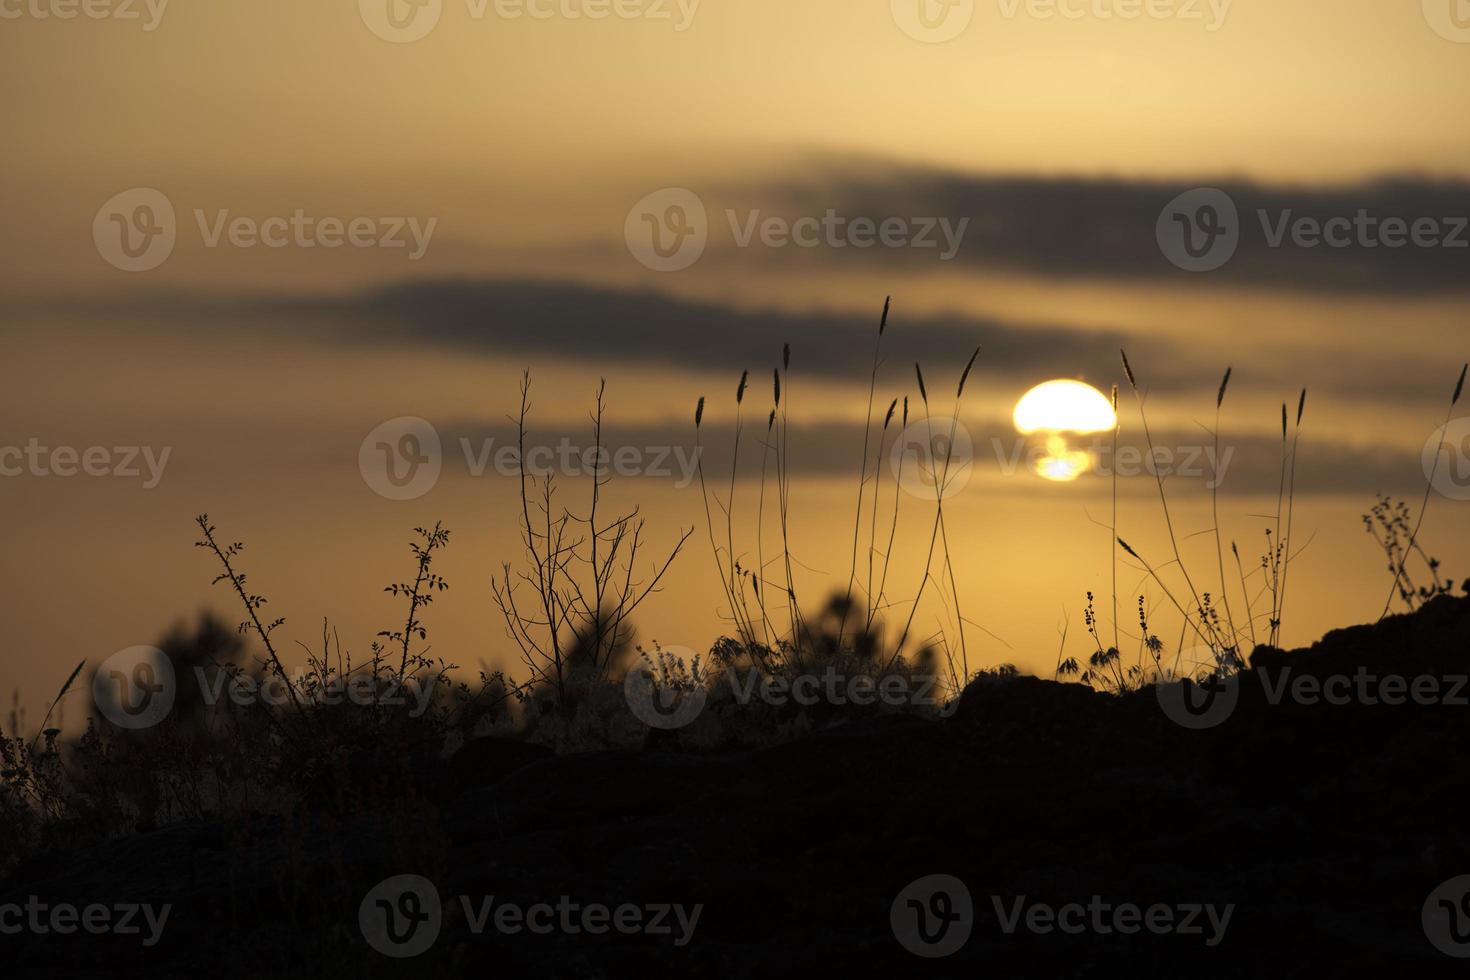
column 1251, row 466
column 1105, row 228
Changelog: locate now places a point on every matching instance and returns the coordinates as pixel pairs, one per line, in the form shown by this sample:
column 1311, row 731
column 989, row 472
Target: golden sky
column 526, row 140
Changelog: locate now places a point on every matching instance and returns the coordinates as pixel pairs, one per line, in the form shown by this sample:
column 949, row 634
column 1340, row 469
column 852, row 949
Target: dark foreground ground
column 1327, row 827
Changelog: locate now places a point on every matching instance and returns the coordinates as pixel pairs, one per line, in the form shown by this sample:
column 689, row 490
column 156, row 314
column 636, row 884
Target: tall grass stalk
column 1286, row 556
column 1213, row 639
column 1215, row 518
column 1428, row 488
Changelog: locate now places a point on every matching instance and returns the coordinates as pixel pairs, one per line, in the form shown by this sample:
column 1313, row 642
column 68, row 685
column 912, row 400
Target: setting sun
column 1055, row 409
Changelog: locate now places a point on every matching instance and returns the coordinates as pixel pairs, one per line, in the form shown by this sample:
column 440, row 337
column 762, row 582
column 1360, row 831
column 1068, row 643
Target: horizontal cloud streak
column 1105, row 228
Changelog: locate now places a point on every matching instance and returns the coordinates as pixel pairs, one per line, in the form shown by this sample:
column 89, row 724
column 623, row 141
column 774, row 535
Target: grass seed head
column 1128, row 369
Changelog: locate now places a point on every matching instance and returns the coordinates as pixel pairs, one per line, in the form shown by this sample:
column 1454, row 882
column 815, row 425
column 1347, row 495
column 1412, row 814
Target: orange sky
column 526, row 141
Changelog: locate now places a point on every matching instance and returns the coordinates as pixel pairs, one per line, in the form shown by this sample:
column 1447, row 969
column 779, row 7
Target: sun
column 1051, row 412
